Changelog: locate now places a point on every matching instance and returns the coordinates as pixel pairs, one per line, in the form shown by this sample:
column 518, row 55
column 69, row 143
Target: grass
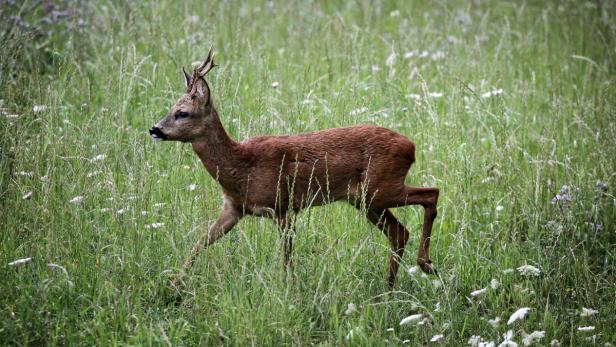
column 99, row 269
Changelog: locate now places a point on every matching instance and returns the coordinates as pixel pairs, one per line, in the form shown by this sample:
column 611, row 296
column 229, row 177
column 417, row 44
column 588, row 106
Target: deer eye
column 181, row 115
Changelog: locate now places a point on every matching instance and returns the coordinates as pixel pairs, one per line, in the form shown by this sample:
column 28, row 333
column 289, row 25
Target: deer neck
column 220, row 155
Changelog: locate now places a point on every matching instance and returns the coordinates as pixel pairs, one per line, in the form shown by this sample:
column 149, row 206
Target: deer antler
column 207, row 65
column 187, row 77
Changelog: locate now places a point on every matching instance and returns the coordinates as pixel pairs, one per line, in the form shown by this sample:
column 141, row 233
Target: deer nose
column 157, row 134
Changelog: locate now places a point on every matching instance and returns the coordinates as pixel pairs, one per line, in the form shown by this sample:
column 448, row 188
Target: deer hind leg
column 286, row 227
column 428, row 198
column 397, row 235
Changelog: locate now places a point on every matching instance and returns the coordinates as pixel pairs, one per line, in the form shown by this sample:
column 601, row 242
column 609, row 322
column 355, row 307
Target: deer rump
column 360, row 164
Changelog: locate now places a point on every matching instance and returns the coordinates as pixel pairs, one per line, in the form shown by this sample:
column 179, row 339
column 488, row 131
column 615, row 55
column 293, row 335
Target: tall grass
column 100, row 264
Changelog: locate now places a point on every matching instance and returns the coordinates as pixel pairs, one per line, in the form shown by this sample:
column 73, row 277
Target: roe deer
column 276, row 176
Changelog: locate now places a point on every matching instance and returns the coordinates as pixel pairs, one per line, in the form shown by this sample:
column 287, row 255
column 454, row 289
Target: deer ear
column 202, row 90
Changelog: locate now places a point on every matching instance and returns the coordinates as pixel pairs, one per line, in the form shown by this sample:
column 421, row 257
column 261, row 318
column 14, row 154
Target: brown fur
column 275, row 175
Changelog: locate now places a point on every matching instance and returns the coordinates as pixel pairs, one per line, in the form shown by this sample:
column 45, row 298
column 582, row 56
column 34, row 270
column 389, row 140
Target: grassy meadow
column 512, row 105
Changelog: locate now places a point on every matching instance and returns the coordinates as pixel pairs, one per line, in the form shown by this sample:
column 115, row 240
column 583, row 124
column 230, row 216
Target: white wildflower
column 499, row 208
column 409, row 54
column 358, row 111
column 424, row 54
column 411, row 319
column 437, row 283
column 474, row 340
column 435, row 94
column 517, row 315
column 508, row 335
column 186, row 167
column 523, row 290
column 529, row 270
column 588, row 328
column 159, row 205
column 92, row 174
column 438, row 55
column 155, row 225
column 350, row 309
column 376, row 68
column 555, row 343
column 507, row 340
column 495, row 322
column 144, row 213
column 508, row 271
column 390, row 329
column 394, row 13
column 76, row 200
column 479, row 293
column 494, row 284
column 104, row 210
column 39, row 108
column 99, row 157
column 492, row 93
column 12, row 116
column 275, row 84
column 587, row 312
column 477, row 341
column 19, row 262
column 413, row 270
column 436, row 338
column 27, row 196
column 391, row 59
column 192, row 187
column 194, row 19
column 414, row 96
column 527, row 339
column 121, row 211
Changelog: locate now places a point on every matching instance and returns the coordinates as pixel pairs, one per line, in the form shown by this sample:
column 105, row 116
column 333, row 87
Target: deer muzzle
column 157, row 134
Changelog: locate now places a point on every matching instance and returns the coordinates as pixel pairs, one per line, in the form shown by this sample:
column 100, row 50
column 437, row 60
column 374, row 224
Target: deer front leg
column 225, row 222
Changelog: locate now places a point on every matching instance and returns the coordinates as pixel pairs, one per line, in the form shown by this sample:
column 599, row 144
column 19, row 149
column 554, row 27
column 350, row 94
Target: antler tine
column 209, row 67
column 187, row 77
column 207, row 60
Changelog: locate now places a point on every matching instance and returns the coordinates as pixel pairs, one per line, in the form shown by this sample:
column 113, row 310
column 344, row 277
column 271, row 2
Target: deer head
column 193, row 113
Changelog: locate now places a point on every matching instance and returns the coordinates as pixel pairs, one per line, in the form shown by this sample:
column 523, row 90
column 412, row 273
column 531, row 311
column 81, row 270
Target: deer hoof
column 426, row 266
